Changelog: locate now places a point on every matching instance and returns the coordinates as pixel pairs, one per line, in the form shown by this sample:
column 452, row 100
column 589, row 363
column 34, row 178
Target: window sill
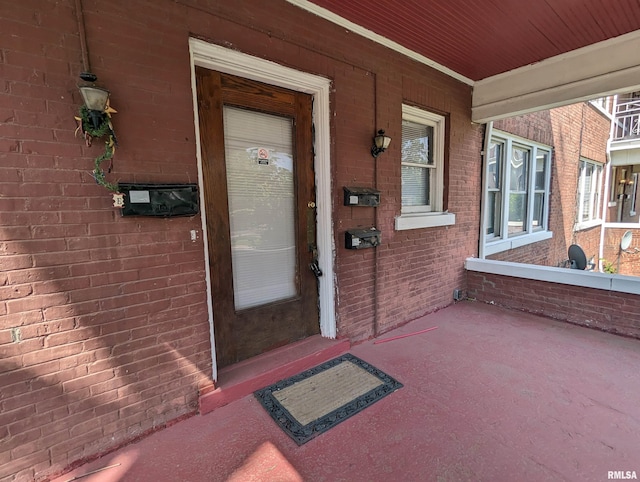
column 588, row 224
column 424, row 220
column 512, row 243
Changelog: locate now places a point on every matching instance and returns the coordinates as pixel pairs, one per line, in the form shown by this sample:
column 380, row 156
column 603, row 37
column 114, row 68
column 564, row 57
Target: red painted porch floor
column 491, row 395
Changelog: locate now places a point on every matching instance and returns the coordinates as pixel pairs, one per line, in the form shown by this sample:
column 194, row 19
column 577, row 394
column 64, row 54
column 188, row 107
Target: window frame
column 501, row 239
column 595, row 201
column 432, row 213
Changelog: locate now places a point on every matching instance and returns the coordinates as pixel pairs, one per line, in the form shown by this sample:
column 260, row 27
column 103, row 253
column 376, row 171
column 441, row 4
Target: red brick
column 47, row 354
column 73, row 443
column 17, row 465
column 87, row 381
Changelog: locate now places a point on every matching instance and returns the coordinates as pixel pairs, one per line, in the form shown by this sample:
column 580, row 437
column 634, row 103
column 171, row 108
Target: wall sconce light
column 95, row 98
column 380, row 143
column 94, row 122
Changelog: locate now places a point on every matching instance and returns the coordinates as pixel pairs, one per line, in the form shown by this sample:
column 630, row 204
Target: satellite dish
column 625, row 242
column 577, row 257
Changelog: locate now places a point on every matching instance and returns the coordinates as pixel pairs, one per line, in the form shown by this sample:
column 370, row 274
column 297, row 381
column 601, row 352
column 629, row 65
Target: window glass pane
column 494, row 210
column 614, row 185
column 538, row 211
column 495, row 166
column 596, row 181
column 518, row 182
column 517, row 213
column 494, row 183
column 634, row 193
column 415, row 186
column 541, row 165
column 519, row 170
column 417, row 143
column 587, row 173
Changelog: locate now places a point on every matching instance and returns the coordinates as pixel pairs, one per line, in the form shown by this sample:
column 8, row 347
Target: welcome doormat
column 313, row 401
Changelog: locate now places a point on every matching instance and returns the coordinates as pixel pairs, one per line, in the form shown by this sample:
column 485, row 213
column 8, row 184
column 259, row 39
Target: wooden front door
column 257, row 156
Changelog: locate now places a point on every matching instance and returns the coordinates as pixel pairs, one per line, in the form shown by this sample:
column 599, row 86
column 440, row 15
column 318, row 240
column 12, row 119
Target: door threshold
column 247, row 376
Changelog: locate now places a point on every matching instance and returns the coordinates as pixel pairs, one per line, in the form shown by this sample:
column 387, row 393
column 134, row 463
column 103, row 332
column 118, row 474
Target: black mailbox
column 362, row 238
column 164, row 200
column 361, row 196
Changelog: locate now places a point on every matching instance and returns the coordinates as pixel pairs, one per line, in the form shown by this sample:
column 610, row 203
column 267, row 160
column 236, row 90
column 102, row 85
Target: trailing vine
column 89, row 132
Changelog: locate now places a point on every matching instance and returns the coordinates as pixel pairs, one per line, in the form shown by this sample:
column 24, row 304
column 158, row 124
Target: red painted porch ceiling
column 481, row 38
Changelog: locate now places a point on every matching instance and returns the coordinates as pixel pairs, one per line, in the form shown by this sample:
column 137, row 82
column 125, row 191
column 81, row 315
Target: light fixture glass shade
column 382, row 141
column 95, row 98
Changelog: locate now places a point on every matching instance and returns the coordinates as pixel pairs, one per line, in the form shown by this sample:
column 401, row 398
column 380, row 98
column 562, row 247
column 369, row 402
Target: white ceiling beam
column 608, row 67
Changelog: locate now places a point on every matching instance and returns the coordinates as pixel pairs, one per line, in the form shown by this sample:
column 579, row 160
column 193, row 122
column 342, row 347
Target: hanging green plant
column 89, row 132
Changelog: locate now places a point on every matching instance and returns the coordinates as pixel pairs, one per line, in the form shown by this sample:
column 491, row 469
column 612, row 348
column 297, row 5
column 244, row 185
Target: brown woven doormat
column 313, row 401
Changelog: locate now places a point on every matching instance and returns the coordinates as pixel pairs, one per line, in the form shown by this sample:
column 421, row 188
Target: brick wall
column 104, row 330
column 625, row 262
column 609, row 311
column 103, row 320
column 573, row 131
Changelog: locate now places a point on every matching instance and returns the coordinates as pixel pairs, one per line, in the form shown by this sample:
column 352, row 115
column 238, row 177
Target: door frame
column 228, row 61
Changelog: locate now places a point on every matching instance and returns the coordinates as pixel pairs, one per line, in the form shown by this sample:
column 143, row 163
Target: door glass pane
column 260, row 183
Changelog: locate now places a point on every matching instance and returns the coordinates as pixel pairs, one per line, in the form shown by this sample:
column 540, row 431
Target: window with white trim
column 422, row 166
column 589, row 191
column 518, row 176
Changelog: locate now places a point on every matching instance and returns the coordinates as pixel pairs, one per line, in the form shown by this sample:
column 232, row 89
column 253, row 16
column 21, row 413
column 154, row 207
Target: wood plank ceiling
column 482, row 38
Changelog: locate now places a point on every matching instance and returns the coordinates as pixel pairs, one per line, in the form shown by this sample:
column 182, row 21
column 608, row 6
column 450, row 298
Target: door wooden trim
column 218, row 58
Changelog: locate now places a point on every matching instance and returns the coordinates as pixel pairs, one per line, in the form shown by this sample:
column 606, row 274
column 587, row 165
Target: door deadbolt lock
column 311, row 204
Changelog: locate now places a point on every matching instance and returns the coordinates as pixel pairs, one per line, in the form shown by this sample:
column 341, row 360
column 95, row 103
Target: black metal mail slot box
column 164, row 200
column 362, row 238
column 361, row 196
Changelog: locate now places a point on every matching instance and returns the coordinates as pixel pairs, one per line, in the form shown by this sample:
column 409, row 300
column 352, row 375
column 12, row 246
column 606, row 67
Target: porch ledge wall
column 599, row 300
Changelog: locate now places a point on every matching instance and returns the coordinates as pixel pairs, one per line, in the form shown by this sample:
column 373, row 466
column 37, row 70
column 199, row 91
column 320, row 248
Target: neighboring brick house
column 573, row 140
column 582, row 180
column 623, row 215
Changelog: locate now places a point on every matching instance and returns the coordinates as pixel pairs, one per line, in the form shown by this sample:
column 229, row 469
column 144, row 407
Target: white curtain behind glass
column 417, row 159
column 260, row 183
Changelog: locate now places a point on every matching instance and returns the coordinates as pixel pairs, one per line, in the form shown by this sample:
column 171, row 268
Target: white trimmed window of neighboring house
column 422, row 166
column 518, row 177
column 589, row 193
column 613, row 192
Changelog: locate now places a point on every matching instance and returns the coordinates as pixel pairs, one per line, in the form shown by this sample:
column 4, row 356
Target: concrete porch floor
column 491, row 395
